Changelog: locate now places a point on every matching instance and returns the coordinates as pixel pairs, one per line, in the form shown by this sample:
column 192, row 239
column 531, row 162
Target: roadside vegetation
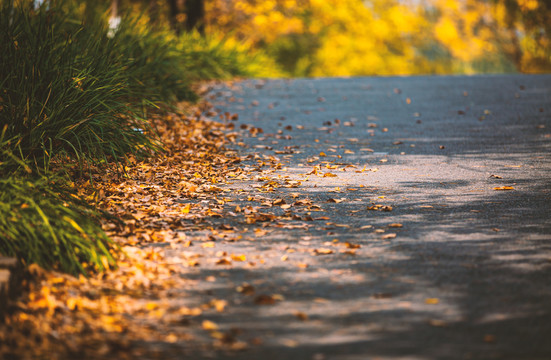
column 392, row 37
column 77, row 95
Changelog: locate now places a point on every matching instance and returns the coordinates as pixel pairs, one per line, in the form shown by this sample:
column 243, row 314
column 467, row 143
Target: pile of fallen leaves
column 171, row 214
column 128, row 311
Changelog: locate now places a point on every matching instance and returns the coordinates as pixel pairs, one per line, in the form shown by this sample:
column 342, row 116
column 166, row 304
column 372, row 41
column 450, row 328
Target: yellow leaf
column 432, row 301
column 219, row 305
column 73, row 224
column 238, row 257
column 209, row 325
column 193, row 263
column 504, row 188
column 395, row 225
column 323, row 251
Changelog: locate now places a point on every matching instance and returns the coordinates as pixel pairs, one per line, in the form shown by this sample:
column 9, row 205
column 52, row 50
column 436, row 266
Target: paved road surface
column 468, row 273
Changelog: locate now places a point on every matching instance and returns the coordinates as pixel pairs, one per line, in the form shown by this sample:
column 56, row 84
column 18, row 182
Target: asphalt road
column 467, row 275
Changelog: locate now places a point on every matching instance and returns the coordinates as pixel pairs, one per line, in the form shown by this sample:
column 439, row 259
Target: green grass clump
column 43, row 224
column 66, row 90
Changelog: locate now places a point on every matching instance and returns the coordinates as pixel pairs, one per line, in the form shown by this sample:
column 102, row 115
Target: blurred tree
column 494, row 35
column 195, row 15
column 372, row 37
column 188, row 16
column 527, row 28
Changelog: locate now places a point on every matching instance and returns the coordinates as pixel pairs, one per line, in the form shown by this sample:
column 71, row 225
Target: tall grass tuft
column 42, row 224
column 65, row 90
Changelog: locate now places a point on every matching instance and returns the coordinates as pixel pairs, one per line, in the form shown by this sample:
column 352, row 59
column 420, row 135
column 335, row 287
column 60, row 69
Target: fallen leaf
column 395, row 225
column 489, row 338
column 323, row 251
column 301, row 316
column 432, row 301
column 238, row 257
column 437, row 323
column 245, row 289
column 238, row 345
column 501, row 188
column 290, row 343
column 209, row 325
column 193, row 263
column 219, row 305
column 380, row 208
column 264, row 300
column 352, row 246
column 223, row 261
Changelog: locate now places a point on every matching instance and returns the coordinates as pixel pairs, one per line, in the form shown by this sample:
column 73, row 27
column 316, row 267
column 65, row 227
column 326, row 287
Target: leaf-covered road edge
column 127, row 311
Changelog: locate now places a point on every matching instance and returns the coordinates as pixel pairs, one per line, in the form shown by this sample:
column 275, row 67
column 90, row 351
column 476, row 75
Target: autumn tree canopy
column 354, row 37
column 373, row 37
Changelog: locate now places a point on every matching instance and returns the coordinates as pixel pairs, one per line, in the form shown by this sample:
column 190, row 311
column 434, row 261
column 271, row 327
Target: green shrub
column 222, row 57
column 154, row 66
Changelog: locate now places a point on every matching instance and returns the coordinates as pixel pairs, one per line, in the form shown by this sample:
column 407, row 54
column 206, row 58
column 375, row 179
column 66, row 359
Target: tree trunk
column 173, row 15
column 195, row 15
column 115, row 8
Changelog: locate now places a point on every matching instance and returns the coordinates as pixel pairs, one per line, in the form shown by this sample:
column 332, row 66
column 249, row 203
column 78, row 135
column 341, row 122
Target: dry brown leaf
column 223, row 261
column 432, row 301
column 352, row 246
column 264, row 300
column 245, row 289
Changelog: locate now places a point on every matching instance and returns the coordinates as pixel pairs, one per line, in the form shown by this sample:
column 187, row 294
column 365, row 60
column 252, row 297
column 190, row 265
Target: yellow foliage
column 377, row 37
column 527, row 5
